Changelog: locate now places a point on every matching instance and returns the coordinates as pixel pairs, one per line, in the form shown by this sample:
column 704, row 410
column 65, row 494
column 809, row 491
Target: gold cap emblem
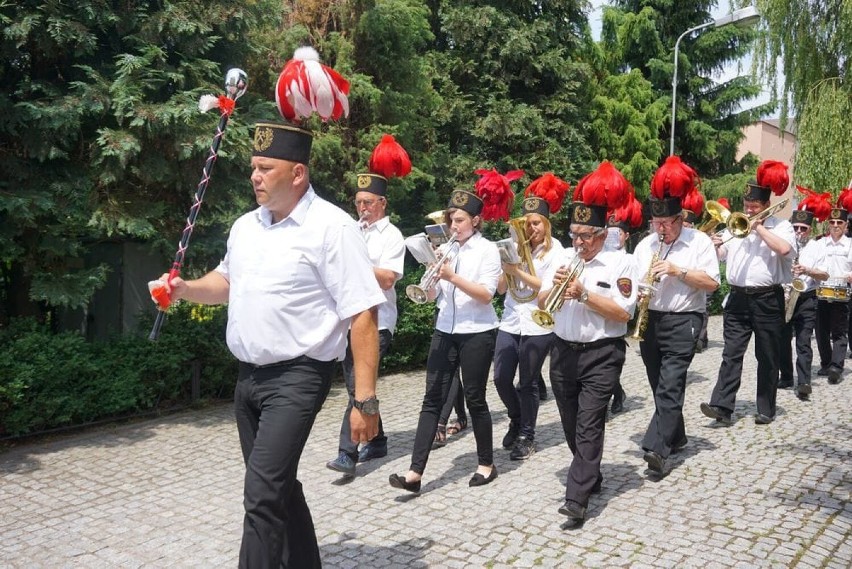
column 531, row 204
column 460, row 198
column 262, row 138
column 582, row 214
column 363, row 181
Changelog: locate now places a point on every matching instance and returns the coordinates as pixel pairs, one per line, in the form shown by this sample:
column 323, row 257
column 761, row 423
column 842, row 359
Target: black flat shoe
column 717, row 413
column 479, row 480
column 656, row 463
column 761, row 419
column 398, row 481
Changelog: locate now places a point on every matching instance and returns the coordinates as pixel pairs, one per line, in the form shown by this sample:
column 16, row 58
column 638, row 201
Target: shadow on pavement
column 408, row 553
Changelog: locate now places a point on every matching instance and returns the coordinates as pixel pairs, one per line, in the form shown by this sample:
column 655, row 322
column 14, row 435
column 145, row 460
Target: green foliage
column 824, row 155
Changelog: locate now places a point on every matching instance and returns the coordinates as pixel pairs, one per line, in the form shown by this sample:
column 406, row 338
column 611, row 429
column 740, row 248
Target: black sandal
column 458, row 426
column 440, row 436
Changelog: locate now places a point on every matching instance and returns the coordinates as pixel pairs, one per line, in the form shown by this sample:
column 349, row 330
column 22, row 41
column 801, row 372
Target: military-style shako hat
column 545, row 195
column 389, row 159
column 844, row 204
column 305, row 86
column 772, row 178
column 493, row 198
column 814, row 205
column 671, row 183
column 597, row 193
column 467, row 201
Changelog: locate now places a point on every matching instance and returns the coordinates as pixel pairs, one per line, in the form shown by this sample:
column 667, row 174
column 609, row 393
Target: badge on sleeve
column 625, row 286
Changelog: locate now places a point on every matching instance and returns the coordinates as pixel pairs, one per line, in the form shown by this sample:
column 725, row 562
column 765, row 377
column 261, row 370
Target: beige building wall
column 764, row 140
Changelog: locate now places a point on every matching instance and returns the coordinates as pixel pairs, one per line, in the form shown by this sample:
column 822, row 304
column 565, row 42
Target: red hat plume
column 674, row 179
column 630, row 213
column 495, row 192
column 693, row 201
column 549, row 188
column 606, row 186
column 389, row 159
column 844, row 200
column 306, row 86
column 817, row 204
column 773, row 174
column 724, row 203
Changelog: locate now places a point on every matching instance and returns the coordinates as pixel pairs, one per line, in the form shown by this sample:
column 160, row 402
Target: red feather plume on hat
column 496, row 194
column 674, row 179
column 630, row 213
column 693, row 201
column 724, row 203
column 606, row 186
column 549, row 188
column 389, row 159
column 773, row 174
column 844, row 200
column 306, row 86
column 817, row 204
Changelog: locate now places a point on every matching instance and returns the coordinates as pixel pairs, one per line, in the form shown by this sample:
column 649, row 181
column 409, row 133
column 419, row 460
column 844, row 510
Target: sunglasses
column 836, row 222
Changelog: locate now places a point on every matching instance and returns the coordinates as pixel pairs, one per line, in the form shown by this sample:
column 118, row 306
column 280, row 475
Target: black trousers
column 473, row 352
column 526, row 355
column 275, row 409
column 346, row 445
column 667, row 350
column 455, row 399
column 801, row 326
column 761, row 314
column 582, row 381
column 832, row 322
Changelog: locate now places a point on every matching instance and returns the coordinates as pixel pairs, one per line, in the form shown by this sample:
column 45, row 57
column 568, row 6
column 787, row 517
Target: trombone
column 737, row 223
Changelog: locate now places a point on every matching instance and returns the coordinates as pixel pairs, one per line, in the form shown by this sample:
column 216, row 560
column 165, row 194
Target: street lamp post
column 743, row 17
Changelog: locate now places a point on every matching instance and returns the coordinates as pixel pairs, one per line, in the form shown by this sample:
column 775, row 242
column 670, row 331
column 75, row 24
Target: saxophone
column 792, row 291
column 647, row 288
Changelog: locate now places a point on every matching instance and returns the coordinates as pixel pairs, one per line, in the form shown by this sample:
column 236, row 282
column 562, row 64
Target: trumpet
column 419, row 293
column 737, row 223
column 554, row 301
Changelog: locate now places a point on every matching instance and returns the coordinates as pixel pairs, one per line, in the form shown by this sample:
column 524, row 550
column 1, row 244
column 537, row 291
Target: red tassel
column 694, row 202
column 549, row 188
column 817, row 204
column 673, row 179
column 306, row 86
column 389, row 159
column 496, row 194
column 773, row 174
column 606, row 186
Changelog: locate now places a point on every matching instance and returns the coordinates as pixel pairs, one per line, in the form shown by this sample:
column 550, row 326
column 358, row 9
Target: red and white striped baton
column 236, row 82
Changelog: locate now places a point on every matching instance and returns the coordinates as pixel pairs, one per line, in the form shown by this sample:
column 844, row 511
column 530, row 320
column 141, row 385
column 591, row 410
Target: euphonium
column 718, row 213
column 554, row 301
column 515, row 286
column 646, row 287
column 419, row 293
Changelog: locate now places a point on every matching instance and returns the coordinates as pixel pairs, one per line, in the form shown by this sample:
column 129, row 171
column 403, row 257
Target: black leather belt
column 756, row 289
column 582, row 346
column 299, row 360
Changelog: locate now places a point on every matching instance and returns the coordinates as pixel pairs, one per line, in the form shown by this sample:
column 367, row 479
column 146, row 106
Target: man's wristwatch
column 584, row 296
column 369, row 406
column 682, row 275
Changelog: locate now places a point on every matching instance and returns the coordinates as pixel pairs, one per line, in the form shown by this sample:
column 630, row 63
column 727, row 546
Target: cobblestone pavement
column 167, row 492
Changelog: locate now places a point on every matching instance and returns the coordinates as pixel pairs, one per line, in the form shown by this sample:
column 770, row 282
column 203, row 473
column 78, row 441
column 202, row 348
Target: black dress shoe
column 398, row 481
column 574, row 511
column 655, row 462
column 786, row 384
column 479, row 480
column 803, row 391
column 717, row 413
column 761, row 419
column 822, row 372
column 834, row 375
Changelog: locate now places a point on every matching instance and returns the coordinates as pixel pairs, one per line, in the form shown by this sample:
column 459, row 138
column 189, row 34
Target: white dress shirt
column 386, row 249
column 750, row 261
column 478, row 261
column 610, row 274
column 810, row 256
column 517, row 317
column 295, row 284
column 692, row 250
column 837, row 259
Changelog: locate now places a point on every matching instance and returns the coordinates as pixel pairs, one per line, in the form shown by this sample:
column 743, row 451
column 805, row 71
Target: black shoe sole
column 398, row 481
column 655, row 462
column 709, row 411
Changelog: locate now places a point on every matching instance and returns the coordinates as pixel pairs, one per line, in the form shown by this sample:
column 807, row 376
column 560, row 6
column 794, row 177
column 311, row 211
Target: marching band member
column 386, row 249
column 465, row 330
column 588, row 348
column 756, row 267
column 622, row 222
column 682, row 265
column 693, row 208
column 522, row 345
column 832, row 317
column 805, row 268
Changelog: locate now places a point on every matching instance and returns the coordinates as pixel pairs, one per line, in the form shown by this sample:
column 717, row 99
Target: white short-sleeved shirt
column 836, row 258
column 458, row 313
column 692, row 250
column 609, row 274
column 386, row 249
column 517, row 317
column 295, row 284
column 810, row 256
column 750, row 261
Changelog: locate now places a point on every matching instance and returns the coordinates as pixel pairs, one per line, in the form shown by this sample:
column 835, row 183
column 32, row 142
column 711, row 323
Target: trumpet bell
column 543, row 318
column 718, row 213
column 738, row 224
column 416, row 294
column 437, row 217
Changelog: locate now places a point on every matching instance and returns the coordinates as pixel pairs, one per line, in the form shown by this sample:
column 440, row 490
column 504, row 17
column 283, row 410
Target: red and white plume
column 495, row 192
column 606, row 186
column 844, row 200
column 674, row 179
column 306, row 86
column 389, row 159
column 773, row 174
column 693, row 201
column 549, row 188
column 817, row 204
column 630, row 213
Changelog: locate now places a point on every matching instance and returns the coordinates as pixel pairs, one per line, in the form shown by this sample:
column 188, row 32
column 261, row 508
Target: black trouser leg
column 737, row 334
column 527, row 353
column 275, row 409
column 803, row 321
column 832, row 324
column 785, row 365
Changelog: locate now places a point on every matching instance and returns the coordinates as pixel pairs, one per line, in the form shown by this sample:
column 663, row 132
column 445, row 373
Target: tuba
column 519, row 291
column 554, row 300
